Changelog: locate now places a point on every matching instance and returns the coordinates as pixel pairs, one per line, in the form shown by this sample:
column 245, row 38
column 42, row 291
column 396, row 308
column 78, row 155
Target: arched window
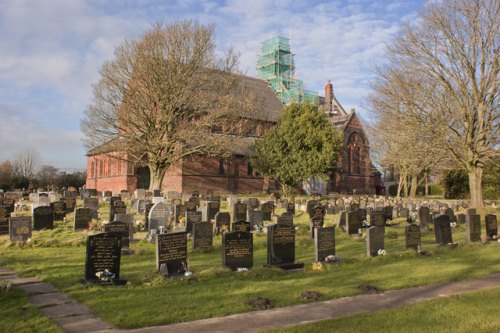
column 355, row 146
column 92, row 169
column 101, row 168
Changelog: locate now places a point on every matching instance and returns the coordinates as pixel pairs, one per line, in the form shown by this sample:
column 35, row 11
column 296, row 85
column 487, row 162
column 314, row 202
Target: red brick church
column 355, row 174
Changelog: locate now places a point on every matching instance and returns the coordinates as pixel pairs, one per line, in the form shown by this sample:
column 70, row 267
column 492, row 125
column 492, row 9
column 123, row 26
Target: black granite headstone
column 103, row 255
column 267, row 209
column 239, row 211
column 212, row 208
column 324, row 243
column 92, row 203
column 59, row 210
column 285, row 218
column 442, row 229
column 119, row 229
column 413, row 237
column 171, row 254
column 191, row 218
column 281, row 247
column 222, row 222
column 353, row 222
column 83, row 217
column 4, row 220
column 117, row 207
column 202, row 235
column 491, row 226
column 43, row 218
column 315, row 222
column 473, row 228
column 237, row 250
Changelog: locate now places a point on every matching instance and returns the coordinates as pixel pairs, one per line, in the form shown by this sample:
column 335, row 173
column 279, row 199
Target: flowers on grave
column 317, row 266
column 105, row 276
column 223, row 228
column 182, row 219
column 241, row 269
column 332, row 258
column 453, row 225
column 382, row 252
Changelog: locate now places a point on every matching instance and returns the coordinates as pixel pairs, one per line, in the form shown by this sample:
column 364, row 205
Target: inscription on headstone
column 413, row 237
column 374, row 240
column 191, row 218
column 237, row 250
column 20, row 228
column 202, row 235
column 43, row 218
column 158, row 216
column 171, row 253
column 222, row 222
column 83, row 217
column 103, row 254
column 324, row 243
column 239, row 211
column 242, row 226
column 119, row 229
column 281, row 247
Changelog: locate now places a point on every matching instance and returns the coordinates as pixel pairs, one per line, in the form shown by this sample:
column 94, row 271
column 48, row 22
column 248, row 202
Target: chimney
column 328, row 97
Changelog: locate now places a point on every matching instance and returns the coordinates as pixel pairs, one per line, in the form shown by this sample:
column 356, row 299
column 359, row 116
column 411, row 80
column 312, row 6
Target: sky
column 51, row 52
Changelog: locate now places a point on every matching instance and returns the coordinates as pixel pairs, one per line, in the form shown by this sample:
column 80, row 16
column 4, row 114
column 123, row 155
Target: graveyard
column 208, row 267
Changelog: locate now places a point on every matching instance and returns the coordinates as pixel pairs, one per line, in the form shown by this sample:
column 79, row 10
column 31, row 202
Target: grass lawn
column 470, row 312
column 57, row 256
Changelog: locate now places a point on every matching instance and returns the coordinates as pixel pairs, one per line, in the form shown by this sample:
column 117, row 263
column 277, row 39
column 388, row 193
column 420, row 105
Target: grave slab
column 6, row 271
column 38, row 288
column 81, row 324
column 16, row 280
column 65, row 310
column 50, row 299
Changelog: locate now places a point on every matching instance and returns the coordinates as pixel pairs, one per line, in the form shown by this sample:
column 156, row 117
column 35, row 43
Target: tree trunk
column 405, row 183
column 414, row 185
column 157, row 175
column 400, row 185
column 475, row 186
column 426, row 184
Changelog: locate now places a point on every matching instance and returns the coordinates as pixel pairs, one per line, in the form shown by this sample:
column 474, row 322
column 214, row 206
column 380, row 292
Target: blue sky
column 51, row 50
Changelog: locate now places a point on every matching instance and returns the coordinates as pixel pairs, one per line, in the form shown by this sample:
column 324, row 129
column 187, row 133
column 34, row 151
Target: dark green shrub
column 456, row 184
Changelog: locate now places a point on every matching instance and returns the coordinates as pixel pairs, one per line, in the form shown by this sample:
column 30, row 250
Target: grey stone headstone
column 473, row 228
column 442, row 229
column 20, row 228
column 413, row 236
column 158, row 216
column 374, row 240
column 324, row 243
column 83, row 217
column 202, row 235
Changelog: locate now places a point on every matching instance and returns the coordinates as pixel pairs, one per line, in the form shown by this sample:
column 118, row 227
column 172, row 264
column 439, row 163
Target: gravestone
column 377, row 219
column 42, row 201
column 113, row 199
column 158, row 216
column 317, row 211
column 171, row 254
column 83, row 217
column 388, row 213
column 470, row 211
column 242, row 226
column 315, row 222
column 290, row 208
column 70, row 203
column 43, row 218
column 20, row 228
column 343, row 219
column 4, row 220
column 195, row 200
column 141, row 205
column 310, row 204
column 118, row 229
column 442, row 229
column 222, row 222
column 103, row 254
column 285, row 218
column 374, row 240
column 107, row 194
column 192, row 218
column 491, row 226
column 253, row 203
column 179, row 211
column 353, row 223
column 59, row 210
column 404, row 213
column 239, row 211
column 140, row 193
column 125, row 194
column 267, row 209
column 209, row 211
column 473, row 228
column 255, row 218
column 281, row 247
column 451, row 214
column 461, row 218
column 202, row 235
column 237, row 250
column 117, row 207
column 190, row 206
column 93, row 204
column 324, row 243
column 424, row 216
column 413, row 236
column 129, row 220
column 147, row 209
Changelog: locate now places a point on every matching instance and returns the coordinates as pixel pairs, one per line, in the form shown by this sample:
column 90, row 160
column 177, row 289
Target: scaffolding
column 276, row 65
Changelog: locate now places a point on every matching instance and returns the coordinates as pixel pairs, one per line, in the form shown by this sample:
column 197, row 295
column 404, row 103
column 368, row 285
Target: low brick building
column 108, row 170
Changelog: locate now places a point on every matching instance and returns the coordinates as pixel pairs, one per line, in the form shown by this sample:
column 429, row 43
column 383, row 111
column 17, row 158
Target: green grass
column 57, row 256
column 470, row 312
column 18, row 315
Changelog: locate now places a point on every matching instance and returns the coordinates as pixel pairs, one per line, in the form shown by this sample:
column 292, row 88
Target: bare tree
column 164, row 97
column 454, row 47
column 47, row 175
column 26, row 163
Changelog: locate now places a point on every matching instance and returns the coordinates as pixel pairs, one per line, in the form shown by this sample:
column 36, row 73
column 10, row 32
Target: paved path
column 74, row 317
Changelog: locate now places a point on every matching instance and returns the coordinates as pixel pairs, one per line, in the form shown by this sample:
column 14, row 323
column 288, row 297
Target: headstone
column 285, row 218
column 290, row 208
column 310, row 204
column 192, row 218
column 388, row 213
column 157, row 193
column 237, row 250
column 43, row 218
column 374, row 240
column 315, row 222
column 212, row 208
column 242, row 226
column 424, row 216
column 267, row 209
column 83, row 217
column 353, row 223
column 281, row 247
column 317, row 211
column 59, row 210
column 70, row 203
column 222, row 222
column 129, row 220
column 202, row 235
column 42, row 201
column 239, row 211
column 158, row 199
column 158, row 216
column 179, row 212
column 147, row 209
column 324, row 243
column 171, row 254
column 473, row 228
column 20, row 228
column 118, row 229
column 461, row 218
column 4, row 220
column 103, row 254
column 255, row 218
column 117, row 207
column 125, row 195
column 404, row 213
column 451, row 214
column 190, row 206
column 377, row 219
column 491, row 226
column 413, row 237
column 442, row 229
column 140, row 193
column 93, row 204
column 343, row 219
column 253, row 203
